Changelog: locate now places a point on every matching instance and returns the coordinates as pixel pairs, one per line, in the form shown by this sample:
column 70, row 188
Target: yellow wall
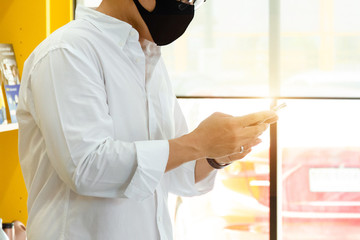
column 12, row 188
column 25, row 24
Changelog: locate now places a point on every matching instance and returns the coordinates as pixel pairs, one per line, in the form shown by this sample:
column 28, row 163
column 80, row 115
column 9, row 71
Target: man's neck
column 125, row 10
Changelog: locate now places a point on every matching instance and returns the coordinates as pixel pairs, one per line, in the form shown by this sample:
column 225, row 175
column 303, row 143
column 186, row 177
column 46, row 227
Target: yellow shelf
column 24, row 24
column 12, row 187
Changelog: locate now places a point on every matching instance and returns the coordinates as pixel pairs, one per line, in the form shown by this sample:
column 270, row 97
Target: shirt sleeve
column 71, row 111
column 181, row 180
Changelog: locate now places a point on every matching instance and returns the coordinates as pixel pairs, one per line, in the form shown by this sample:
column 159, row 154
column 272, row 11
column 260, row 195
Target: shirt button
column 159, row 219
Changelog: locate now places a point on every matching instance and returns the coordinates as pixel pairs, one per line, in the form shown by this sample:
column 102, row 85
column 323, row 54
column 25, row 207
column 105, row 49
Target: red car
column 320, row 194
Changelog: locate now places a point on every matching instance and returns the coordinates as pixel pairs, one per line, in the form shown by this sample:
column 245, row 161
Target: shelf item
column 10, row 80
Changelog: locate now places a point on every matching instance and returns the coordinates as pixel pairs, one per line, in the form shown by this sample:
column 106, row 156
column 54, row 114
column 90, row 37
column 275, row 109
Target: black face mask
column 168, row 21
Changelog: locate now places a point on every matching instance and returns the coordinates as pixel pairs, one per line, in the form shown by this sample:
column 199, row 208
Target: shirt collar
column 118, row 30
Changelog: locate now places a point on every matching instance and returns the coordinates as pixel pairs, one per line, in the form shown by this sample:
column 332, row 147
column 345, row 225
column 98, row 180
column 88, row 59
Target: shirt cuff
column 203, row 186
column 207, row 184
column 152, row 158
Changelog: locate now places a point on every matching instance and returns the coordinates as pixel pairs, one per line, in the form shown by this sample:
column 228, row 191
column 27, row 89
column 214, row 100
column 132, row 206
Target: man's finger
column 271, row 120
column 255, row 118
column 238, row 156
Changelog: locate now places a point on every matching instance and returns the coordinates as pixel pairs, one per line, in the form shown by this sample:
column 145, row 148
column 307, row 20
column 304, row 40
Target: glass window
column 300, row 16
column 224, row 52
column 320, row 54
column 346, row 16
column 320, row 158
column 238, row 206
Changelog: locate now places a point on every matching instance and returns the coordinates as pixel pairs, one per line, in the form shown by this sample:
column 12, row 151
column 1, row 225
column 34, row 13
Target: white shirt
column 94, row 116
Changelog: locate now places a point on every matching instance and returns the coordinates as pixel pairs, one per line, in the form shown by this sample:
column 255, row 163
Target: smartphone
column 278, row 107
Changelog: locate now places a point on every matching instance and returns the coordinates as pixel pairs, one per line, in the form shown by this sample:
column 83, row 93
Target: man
column 102, row 139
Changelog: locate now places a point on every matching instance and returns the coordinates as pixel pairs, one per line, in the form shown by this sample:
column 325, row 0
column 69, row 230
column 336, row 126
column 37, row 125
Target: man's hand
column 237, row 156
column 222, row 135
